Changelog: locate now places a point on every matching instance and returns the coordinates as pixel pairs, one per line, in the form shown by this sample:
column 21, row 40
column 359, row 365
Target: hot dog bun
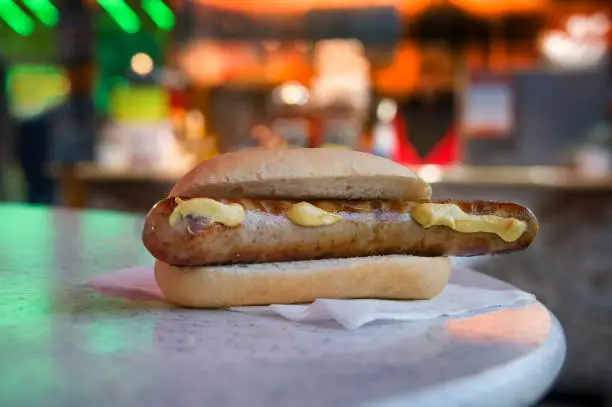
column 386, row 277
column 301, row 173
column 231, row 232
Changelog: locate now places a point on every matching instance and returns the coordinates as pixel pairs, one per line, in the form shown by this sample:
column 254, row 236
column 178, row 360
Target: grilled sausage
column 367, row 228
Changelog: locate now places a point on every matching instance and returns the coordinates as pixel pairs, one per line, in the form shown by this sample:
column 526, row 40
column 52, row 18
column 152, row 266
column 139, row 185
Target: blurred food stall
column 460, row 83
column 447, row 83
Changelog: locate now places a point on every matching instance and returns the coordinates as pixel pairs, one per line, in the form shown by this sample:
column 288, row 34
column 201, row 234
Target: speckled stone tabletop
column 62, row 345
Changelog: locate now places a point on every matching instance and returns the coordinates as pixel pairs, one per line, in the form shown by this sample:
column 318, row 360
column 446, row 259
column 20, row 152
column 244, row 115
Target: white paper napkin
column 353, row 314
column 138, row 284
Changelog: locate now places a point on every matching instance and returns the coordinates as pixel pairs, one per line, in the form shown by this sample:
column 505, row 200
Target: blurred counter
column 532, row 176
column 88, row 180
column 524, row 176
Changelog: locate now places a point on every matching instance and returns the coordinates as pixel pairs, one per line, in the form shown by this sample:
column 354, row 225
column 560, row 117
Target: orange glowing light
column 402, row 75
column 209, row 62
column 300, row 6
column 530, row 325
column 412, row 7
column 406, row 7
column 499, row 7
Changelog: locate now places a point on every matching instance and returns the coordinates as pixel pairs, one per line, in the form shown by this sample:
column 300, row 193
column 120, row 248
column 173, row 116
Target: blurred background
column 106, row 103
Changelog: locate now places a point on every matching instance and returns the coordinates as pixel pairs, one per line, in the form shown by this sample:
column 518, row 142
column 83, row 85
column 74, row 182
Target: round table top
column 62, row 345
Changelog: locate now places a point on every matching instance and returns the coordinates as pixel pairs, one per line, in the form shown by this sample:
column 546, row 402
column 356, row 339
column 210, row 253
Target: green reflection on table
column 26, row 300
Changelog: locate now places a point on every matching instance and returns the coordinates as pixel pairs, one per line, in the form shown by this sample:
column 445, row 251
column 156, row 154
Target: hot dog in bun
column 292, row 225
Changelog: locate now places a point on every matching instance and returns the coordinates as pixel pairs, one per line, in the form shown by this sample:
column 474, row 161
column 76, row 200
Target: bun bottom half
column 394, row 277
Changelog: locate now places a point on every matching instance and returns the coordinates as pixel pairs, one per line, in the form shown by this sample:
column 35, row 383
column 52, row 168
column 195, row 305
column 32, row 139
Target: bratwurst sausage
column 366, row 228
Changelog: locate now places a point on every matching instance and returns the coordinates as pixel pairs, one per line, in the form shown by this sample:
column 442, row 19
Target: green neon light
column 123, row 15
column 160, row 13
column 44, row 10
column 16, row 18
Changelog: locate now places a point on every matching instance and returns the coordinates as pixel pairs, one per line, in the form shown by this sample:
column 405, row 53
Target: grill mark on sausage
column 367, row 228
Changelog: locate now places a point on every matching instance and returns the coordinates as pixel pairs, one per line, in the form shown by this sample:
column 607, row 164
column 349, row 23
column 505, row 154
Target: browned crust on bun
column 301, row 173
column 384, row 277
column 367, row 228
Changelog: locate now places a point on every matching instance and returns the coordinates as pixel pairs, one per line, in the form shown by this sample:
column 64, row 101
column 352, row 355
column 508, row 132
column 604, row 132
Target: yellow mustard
column 450, row 215
column 217, row 212
column 306, row 214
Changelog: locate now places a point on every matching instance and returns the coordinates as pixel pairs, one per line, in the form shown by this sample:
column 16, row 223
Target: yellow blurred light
column 431, row 173
column 386, row 111
column 63, row 87
column 271, row 46
column 303, row 46
column 194, row 124
column 138, row 104
column 567, row 51
column 292, row 93
column 33, row 89
column 142, row 64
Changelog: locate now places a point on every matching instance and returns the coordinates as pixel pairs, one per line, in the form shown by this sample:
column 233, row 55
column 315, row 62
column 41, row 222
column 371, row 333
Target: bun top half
column 301, row 173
